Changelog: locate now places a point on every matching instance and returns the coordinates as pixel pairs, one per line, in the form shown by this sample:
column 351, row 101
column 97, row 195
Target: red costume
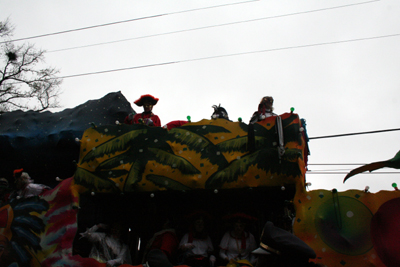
column 147, row 117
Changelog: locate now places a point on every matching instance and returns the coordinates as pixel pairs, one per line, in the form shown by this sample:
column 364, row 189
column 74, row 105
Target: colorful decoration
column 208, row 154
column 394, row 185
column 352, row 228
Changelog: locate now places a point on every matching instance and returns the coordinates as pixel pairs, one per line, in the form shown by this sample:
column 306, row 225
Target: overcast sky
column 337, row 62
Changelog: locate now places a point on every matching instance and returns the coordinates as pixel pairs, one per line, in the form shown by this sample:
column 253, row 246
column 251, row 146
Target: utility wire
column 124, row 21
column 231, row 55
column 208, row 27
column 325, row 164
column 348, row 134
column 319, row 172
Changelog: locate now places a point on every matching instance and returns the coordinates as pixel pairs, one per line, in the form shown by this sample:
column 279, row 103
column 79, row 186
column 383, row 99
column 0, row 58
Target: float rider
column 265, row 109
column 147, row 117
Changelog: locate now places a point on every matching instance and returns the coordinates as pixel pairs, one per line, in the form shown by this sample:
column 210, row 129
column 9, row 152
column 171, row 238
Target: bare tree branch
column 23, row 83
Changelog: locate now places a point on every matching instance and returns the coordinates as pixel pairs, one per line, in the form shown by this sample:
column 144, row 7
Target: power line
column 124, row 21
column 231, row 55
column 348, row 134
column 319, row 172
column 328, row 164
column 208, row 27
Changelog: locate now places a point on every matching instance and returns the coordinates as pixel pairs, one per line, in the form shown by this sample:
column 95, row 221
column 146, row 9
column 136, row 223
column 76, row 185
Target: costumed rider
column 264, row 110
column 219, row 113
column 281, row 248
column 25, row 186
column 147, row 117
column 108, row 247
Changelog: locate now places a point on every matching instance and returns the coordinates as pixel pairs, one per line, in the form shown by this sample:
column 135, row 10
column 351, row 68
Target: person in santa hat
column 147, row 117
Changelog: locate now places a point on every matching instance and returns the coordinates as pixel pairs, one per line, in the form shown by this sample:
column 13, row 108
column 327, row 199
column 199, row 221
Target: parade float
column 102, row 170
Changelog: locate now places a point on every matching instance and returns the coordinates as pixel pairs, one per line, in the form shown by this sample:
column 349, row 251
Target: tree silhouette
column 24, row 82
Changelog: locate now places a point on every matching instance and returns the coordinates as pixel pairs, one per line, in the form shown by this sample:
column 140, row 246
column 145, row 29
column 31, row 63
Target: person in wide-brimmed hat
column 147, row 117
column 281, row 248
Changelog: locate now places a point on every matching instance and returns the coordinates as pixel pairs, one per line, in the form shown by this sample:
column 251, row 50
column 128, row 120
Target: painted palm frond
column 293, row 154
column 235, row 169
column 291, row 133
column 260, row 130
column 204, row 129
column 265, row 159
column 244, row 127
column 107, row 174
column 134, row 175
column 240, row 144
column 119, row 143
column 115, row 162
column 165, row 182
column 175, row 162
column 193, row 140
column 93, row 182
column 237, row 144
column 200, row 144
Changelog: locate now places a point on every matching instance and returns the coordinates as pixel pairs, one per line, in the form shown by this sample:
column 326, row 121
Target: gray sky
column 337, row 62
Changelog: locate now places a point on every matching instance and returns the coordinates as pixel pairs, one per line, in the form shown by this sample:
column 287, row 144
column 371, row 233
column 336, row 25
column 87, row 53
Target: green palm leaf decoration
column 119, row 143
column 134, row 175
column 235, row 169
column 92, row 182
column 238, row 144
column 199, row 143
column 291, row 132
column 204, row 129
column 115, row 162
column 107, row 174
column 165, row 182
column 176, row 162
column 265, row 159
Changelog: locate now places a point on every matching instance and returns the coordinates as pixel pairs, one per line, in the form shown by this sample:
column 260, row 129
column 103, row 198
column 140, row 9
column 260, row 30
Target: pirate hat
column 275, row 240
column 147, row 97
